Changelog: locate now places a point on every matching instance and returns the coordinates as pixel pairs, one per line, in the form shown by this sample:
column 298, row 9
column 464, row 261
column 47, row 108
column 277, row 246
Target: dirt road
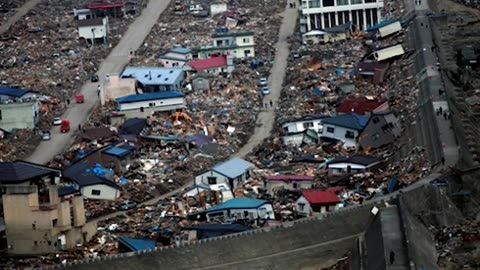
column 21, row 11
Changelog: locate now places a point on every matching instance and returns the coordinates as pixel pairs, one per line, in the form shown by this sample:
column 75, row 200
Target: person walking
column 271, row 103
column 443, row 161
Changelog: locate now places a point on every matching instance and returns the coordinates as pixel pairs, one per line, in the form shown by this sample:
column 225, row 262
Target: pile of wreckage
column 457, row 246
column 8, row 8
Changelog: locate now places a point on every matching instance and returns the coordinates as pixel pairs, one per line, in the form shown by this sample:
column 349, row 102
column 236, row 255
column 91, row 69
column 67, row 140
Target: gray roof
column 22, row 171
column 233, row 168
column 90, row 22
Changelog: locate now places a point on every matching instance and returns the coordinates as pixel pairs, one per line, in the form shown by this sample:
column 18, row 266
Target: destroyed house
column 275, row 183
column 241, row 209
column 155, row 79
column 92, row 181
column 382, row 129
column 93, row 29
column 213, row 65
column 386, row 28
column 344, row 128
column 144, row 105
column 176, row 57
column 316, row 201
column 135, row 244
column 362, row 106
column 373, row 70
column 321, row 14
column 239, row 44
column 234, row 172
column 313, row 122
column 306, row 137
column 39, row 219
column 108, row 9
column 8, row 94
column 115, row 156
column 210, row 230
column 352, row 165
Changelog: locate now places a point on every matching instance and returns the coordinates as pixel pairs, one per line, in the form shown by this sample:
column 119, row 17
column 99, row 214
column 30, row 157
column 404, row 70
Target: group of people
column 292, row 5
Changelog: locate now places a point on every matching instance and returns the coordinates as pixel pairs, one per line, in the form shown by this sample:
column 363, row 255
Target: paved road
column 266, row 119
column 21, row 11
column 114, row 63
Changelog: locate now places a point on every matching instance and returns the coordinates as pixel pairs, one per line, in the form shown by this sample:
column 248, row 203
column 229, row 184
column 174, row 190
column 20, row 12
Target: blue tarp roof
column 83, row 175
column 12, row 92
column 149, row 96
column 233, row 168
column 117, row 151
column 153, row 75
column 352, row 121
column 137, row 244
column 238, row 203
column 380, row 25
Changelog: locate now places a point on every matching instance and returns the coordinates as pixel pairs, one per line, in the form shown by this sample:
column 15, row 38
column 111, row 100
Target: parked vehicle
column 263, row 82
column 79, row 98
column 127, row 205
column 94, row 78
column 46, row 135
column 65, row 126
column 265, row 90
column 57, row 121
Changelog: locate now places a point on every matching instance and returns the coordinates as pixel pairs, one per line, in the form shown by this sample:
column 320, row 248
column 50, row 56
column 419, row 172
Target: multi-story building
column 239, row 44
column 40, row 216
column 321, row 14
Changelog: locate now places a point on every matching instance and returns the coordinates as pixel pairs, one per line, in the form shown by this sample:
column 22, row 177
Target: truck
column 65, row 126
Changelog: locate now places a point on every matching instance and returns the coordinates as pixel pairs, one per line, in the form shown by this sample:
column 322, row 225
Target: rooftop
column 12, row 92
column 360, row 105
column 90, row 22
column 181, row 50
column 380, row 25
column 120, row 151
column 232, row 34
column 153, row 75
column 352, row 121
column 85, row 174
column 213, row 62
column 320, row 197
column 238, row 203
column 135, row 244
column 339, row 28
column 133, row 126
column 149, row 96
column 233, row 168
column 20, row 171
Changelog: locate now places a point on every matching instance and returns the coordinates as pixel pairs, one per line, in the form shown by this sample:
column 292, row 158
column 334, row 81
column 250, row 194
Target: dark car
column 94, row 78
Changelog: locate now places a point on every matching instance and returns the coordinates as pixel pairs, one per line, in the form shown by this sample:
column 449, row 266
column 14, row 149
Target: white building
column 146, row 104
column 234, row 173
column 345, row 128
column 316, row 201
column 241, row 208
column 313, row 122
column 239, row 44
column 19, row 115
column 93, row 29
column 275, row 183
column 176, row 57
column 213, row 65
column 321, row 14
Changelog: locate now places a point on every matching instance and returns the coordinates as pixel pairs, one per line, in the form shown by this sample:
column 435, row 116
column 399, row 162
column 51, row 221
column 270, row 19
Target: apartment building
column 321, row 14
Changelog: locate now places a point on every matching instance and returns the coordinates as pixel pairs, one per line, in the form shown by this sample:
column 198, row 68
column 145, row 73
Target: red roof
column 213, row 62
column 320, row 197
column 289, row 178
column 335, row 189
column 359, row 105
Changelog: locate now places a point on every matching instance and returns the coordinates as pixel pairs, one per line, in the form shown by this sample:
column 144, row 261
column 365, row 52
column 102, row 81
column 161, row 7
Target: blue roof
column 137, row 244
column 12, row 92
column 117, row 151
column 149, row 96
column 153, row 75
column 181, row 50
column 233, row 168
column 238, row 203
column 352, row 121
column 380, row 25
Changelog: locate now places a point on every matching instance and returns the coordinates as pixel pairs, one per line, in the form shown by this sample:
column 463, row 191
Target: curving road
column 114, row 63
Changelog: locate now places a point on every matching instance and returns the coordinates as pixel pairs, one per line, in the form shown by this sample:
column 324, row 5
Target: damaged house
column 345, row 128
column 155, row 79
column 234, row 173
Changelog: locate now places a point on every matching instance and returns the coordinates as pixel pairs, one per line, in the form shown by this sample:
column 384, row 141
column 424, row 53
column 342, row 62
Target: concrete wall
column 305, row 243
column 19, row 115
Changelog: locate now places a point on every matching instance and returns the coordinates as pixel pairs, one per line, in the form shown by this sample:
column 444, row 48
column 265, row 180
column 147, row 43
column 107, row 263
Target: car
column 127, row 205
column 263, row 82
column 57, row 121
column 94, row 78
column 46, row 135
column 265, row 90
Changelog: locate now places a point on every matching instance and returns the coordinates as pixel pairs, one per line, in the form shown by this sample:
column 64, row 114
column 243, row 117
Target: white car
column 263, row 82
column 57, row 121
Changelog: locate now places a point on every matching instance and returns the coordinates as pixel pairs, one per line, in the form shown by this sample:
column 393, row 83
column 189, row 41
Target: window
column 247, row 52
column 330, row 129
column 0, row 114
column 376, row 136
column 301, row 207
column 328, row 3
column 151, row 104
column 141, row 109
column 295, row 185
column 342, row 2
column 307, row 125
column 166, row 62
column 35, row 243
column 314, row 3
column 55, row 222
column 96, row 192
column 212, row 180
column 227, row 42
column 219, row 43
column 34, row 226
column 356, row 2
column 246, row 40
column 349, row 134
column 285, row 129
column 375, row 120
column 385, row 128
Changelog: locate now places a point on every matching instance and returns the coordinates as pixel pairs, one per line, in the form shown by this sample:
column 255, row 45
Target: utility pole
column 93, row 38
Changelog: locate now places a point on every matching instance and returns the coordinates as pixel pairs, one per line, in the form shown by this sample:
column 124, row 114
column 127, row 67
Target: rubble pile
column 469, row 3
column 457, row 246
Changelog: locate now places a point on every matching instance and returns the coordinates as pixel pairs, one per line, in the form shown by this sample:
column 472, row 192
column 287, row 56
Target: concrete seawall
column 298, row 245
